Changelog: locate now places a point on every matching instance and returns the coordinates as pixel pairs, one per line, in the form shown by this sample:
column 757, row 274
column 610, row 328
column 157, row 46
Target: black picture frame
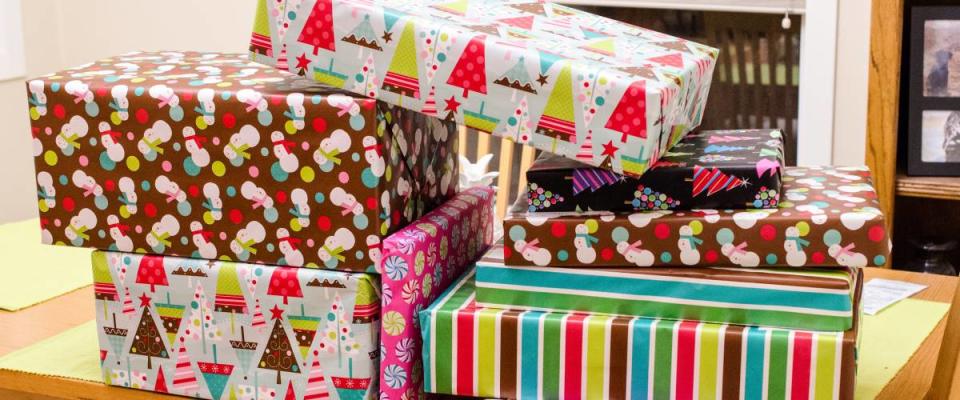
column 933, row 103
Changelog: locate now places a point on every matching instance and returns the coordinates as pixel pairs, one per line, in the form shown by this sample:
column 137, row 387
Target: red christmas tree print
column 670, row 60
column 151, row 272
column 318, row 30
column 160, row 386
column 470, row 73
column 284, row 282
column 630, row 115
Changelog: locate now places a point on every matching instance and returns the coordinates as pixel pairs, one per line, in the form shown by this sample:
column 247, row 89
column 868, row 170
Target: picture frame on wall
column 933, row 107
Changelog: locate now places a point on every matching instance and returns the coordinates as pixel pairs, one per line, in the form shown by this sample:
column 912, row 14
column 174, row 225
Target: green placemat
column 35, row 272
column 72, row 354
column 888, row 339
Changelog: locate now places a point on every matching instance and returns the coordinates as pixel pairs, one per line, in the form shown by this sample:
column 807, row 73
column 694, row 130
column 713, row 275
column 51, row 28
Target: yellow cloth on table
column 33, row 272
column 888, row 339
column 72, row 354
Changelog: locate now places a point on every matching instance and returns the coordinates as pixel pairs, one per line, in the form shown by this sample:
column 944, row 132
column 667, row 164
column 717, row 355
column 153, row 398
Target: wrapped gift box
column 217, row 329
column 419, row 263
column 475, row 351
column 828, row 216
column 707, row 169
column 562, row 80
column 212, row 156
column 779, row 297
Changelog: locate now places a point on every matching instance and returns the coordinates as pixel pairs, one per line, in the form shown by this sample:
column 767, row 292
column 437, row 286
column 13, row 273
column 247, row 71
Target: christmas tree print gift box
column 419, row 262
column 814, row 299
column 707, row 169
column 470, row 350
column 827, row 217
column 562, row 80
column 219, row 329
column 213, row 156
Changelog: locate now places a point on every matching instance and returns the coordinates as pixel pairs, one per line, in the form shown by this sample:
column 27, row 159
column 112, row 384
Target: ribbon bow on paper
column 209, row 206
column 80, row 96
column 116, row 107
column 196, row 139
column 248, row 246
column 694, row 241
column 291, row 115
column 43, row 194
column 801, row 243
column 591, row 240
column 634, row 247
column 35, row 100
column 767, row 165
column 847, row 250
column 335, row 253
column 162, row 237
column 288, row 145
column 71, row 139
column 347, row 207
column 123, row 228
column 80, row 231
column 203, row 233
column 531, row 245
column 258, row 201
column 88, row 189
column 740, row 248
column 344, row 107
column 164, row 100
column 113, row 134
column 332, row 155
column 172, row 195
column 154, row 145
column 296, row 213
column 252, row 104
column 240, row 150
column 202, row 110
column 292, row 241
column 123, row 199
column 375, row 147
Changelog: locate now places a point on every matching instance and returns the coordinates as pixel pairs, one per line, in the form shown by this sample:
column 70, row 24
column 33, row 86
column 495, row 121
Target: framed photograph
column 933, row 107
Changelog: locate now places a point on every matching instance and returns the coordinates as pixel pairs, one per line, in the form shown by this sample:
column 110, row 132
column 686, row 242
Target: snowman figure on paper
column 151, row 144
column 193, row 143
column 374, row 249
column 794, row 245
column 259, row 199
column 635, row 254
column 739, row 255
column 687, row 244
column 109, row 139
column 171, row 189
column 238, row 147
column 128, row 197
column 531, row 251
column 160, row 233
column 46, row 191
column 202, row 240
column 300, row 209
column 846, row 256
column 373, row 153
column 38, row 99
column 76, row 230
column 87, row 183
column 346, row 201
column 290, row 248
column 333, row 247
column 119, row 234
column 283, row 150
column 120, row 104
column 295, row 113
column 243, row 245
column 205, row 109
column 583, row 241
column 212, row 202
column 70, row 134
column 328, row 153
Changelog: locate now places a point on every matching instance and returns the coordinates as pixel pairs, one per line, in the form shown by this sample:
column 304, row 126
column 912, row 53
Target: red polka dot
column 558, row 229
column 711, row 256
column 768, row 232
column 876, row 233
column 236, row 216
column 186, row 96
column 102, row 91
column 281, row 197
column 507, row 252
column 142, row 116
column 368, row 104
column 323, row 222
column 193, row 191
column 68, row 204
column 59, row 112
column 395, row 218
column 817, row 257
column 319, row 125
column 150, row 209
column 276, row 100
column 606, row 253
column 108, row 185
column 229, row 120
column 371, row 203
column 661, row 231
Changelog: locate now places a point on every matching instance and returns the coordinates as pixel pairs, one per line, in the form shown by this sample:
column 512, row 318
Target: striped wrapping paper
column 474, row 351
column 785, row 297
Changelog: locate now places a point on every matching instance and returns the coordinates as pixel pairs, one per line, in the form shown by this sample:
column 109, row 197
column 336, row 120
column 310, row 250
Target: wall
column 853, row 57
column 60, row 33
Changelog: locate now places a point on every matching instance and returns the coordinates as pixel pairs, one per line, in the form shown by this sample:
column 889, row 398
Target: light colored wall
column 62, row 33
column 853, row 57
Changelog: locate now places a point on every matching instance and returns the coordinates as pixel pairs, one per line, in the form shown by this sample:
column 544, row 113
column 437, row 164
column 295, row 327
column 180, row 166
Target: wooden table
column 33, row 324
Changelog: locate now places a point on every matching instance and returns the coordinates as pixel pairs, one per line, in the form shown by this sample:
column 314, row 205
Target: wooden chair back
column 511, row 159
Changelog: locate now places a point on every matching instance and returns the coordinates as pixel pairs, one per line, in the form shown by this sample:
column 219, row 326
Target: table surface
column 22, row 328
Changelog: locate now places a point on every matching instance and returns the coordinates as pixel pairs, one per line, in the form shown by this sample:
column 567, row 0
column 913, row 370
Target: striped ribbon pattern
column 816, row 300
column 592, row 178
column 474, row 351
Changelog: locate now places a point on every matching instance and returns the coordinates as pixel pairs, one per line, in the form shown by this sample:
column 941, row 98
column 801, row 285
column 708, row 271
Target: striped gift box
column 787, row 297
column 475, row 351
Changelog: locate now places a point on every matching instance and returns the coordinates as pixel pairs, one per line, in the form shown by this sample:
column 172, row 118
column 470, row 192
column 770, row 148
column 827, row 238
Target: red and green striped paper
column 474, row 351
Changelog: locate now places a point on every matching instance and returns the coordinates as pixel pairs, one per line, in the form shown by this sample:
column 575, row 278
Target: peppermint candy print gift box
column 828, row 217
column 791, row 298
column 475, row 351
column 212, row 156
column 218, row 329
column 419, row 262
column 707, row 169
column 562, row 80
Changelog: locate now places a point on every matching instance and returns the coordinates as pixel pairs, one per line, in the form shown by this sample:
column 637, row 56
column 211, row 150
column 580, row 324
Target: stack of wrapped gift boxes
column 267, row 234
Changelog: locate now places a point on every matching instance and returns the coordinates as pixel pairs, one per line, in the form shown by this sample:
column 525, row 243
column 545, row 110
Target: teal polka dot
column 226, row 95
column 724, row 236
column 665, row 257
column 55, row 87
column 63, row 180
column 270, row 247
column 265, row 118
column 831, row 237
column 271, row 215
column 93, row 141
column 292, row 15
column 562, row 255
column 126, row 260
column 176, row 113
column 101, row 202
column 183, row 240
column 771, row 258
column 184, row 208
column 319, row 198
column 517, row 233
column 620, row 234
column 360, row 221
column 106, row 163
column 92, row 109
column 359, row 254
column 231, row 191
column 190, row 167
column 176, row 146
column 355, row 156
column 138, row 92
column 264, row 151
column 369, row 179
column 101, row 233
column 145, row 185
column 879, row 260
column 316, row 99
column 357, row 122
column 277, row 172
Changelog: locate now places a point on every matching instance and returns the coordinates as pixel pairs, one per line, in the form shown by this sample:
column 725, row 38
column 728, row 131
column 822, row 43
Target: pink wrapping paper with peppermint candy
column 419, row 262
